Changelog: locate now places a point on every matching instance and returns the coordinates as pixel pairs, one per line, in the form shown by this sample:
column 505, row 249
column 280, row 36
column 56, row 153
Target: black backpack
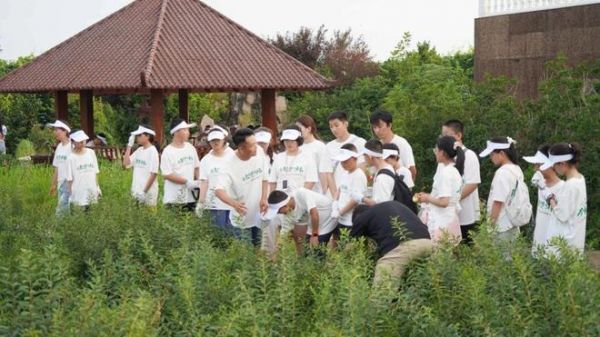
column 401, row 192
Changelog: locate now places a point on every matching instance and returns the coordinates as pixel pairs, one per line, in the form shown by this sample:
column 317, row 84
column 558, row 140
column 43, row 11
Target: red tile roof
column 164, row 44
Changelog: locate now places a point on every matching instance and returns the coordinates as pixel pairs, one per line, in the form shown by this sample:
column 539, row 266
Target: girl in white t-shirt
column 547, row 183
column 443, row 203
column 61, row 154
column 569, row 205
column 211, row 166
column 145, row 163
column 82, row 172
column 270, row 228
column 503, row 154
column 314, row 147
column 391, row 155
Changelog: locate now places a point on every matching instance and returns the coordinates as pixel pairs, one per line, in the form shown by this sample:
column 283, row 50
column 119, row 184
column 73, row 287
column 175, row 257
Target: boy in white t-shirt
column 338, row 124
column 381, row 122
column 180, row 166
column 469, row 200
column 82, row 172
column 145, row 163
column 61, row 154
column 383, row 184
column 3, row 132
column 391, row 155
column 350, row 179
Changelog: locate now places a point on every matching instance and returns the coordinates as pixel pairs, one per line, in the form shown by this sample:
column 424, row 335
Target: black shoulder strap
column 387, row 172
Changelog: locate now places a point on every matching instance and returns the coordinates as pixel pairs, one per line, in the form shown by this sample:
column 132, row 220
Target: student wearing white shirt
column 61, row 154
column 338, row 124
column 270, row 228
column 145, row 163
column 548, row 184
column 318, row 150
column 82, row 172
column 3, row 132
column 265, row 140
column 180, row 166
column 243, row 186
column 503, row 154
column 443, row 203
column 383, row 184
column 391, row 155
column 211, row 166
column 569, row 205
column 381, row 122
column 303, row 203
column 351, row 180
column 469, row 214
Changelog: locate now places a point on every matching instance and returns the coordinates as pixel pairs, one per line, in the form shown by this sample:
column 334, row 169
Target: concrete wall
column 518, row 45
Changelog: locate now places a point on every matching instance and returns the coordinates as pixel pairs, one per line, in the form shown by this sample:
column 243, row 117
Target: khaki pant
column 392, row 265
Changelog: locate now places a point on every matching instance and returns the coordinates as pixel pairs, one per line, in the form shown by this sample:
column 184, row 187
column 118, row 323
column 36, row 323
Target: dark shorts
column 323, row 239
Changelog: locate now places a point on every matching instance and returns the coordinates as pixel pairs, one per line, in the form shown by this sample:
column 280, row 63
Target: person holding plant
column 443, row 203
column 145, row 163
column 313, row 146
column 82, row 172
column 180, row 167
column 59, row 179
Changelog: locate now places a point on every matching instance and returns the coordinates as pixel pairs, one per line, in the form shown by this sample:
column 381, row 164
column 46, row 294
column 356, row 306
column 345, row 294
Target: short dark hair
column 240, row 136
column 374, row 145
column 381, row 115
column 341, row 115
column 350, row 147
column 545, row 149
column 300, row 139
column 567, row 148
column 176, row 122
column 391, row 146
column 455, row 125
column 276, row 197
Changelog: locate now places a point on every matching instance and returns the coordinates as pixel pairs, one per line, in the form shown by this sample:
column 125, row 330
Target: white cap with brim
column 539, row 159
column 388, row 153
column 263, row 137
column 216, row 133
column 59, row 124
column 491, row 147
column 182, row 125
column 371, row 153
column 345, row 154
column 79, row 136
column 556, row 159
column 273, row 209
column 142, row 129
column 290, row 134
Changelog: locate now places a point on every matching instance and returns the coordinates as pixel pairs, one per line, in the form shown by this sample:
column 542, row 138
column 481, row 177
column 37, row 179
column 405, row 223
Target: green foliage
column 25, row 149
column 42, row 139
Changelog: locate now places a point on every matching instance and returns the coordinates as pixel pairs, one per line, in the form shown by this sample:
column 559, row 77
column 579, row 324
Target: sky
column 34, row 26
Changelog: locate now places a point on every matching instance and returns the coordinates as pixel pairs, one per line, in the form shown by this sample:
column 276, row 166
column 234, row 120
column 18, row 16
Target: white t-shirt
column 447, row 182
column 503, row 183
column 82, row 170
column 571, row 212
column 318, row 150
column 383, row 186
column 307, row 200
column 242, row 180
column 297, row 170
column 181, row 161
column 406, row 176
column 145, row 162
column 210, row 168
column 470, row 213
column 334, row 147
column 348, row 183
column 406, row 153
column 61, row 154
column 4, row 130
column 544, row 218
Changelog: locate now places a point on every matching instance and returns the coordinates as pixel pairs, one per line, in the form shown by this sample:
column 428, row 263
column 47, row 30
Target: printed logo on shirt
column 139, row 162
column 214, row 170
column 85, row 167
column 582, row 211
column 185, row 160
column 252, row 175
column 293, row 169
column 61, row 157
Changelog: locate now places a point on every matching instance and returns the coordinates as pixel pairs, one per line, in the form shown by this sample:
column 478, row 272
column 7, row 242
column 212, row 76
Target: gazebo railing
column 500, row 7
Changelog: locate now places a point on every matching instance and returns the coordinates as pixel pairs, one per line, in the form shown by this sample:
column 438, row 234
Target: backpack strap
column 387, row 172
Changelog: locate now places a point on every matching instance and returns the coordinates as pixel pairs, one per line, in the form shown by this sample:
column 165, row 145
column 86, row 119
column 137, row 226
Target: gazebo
column 157, row 48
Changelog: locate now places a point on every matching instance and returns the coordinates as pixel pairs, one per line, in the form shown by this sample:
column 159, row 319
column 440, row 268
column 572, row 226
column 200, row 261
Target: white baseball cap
column 215, row 133
column 59, row 124
column 555, row 159
column 142, row 129
column 389, row 152
column 79, row 136
column 273, row 209
column 290, row 134
column 371, row 153
column 345, row 154
column 492, row 146
column 263, row 137
column 182, row 125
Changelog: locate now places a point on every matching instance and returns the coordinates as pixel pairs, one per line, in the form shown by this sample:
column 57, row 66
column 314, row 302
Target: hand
column 131, row 141
column 53, row 190
column 314, row 241
column 357, row 196
column 199, row 209
column 424, row 197
column 263, row 206
column 191, row 184
column 241, row 208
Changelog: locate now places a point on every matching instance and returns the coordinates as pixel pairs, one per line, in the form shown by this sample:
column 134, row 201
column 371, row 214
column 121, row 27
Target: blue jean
column 220, row 218
column 63, row 206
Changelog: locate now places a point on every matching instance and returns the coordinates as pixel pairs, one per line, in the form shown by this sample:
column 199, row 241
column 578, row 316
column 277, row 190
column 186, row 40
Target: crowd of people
column 263, row 187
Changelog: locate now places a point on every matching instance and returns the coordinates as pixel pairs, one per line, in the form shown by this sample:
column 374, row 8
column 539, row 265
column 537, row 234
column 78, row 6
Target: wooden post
column 183, row 104
column 61, row 105
column 86, row 111
column 157, row 108
column 269, row 115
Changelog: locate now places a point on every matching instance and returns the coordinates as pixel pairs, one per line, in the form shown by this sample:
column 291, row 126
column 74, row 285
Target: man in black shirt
column 396, row 247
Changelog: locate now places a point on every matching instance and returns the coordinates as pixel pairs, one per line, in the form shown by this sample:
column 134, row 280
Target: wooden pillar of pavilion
column 86, row 111
column 183, row 104
column 157, row 111
column 61, row 105
column 269, row 114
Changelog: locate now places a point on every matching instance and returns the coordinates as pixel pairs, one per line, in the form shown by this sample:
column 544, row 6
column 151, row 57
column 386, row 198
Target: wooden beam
column 86, row 111
column 269, row 114
column 157, row 108
column 183, row 104
column 61, row 105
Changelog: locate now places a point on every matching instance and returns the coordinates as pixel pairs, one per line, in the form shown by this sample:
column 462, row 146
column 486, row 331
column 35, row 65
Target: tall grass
column 124, row 271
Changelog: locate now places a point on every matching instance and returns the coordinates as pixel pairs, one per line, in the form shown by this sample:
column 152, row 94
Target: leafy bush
column 24, row 149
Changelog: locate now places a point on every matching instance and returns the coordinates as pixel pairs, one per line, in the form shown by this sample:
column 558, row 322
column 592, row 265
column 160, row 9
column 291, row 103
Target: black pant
column 467, row 231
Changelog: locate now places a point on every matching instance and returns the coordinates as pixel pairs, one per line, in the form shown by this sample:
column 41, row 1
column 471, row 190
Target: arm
column 224, row 197
column 350, row 206
column 309, row 185
column 54, row 182
column 495, row 213
column 264, row 196
column 150, row 182
column 203, row 190
column 413, row 172
column 467, row 190
column 439, row 202
column 314, row 220
column 196, row 173
column 127, row 158
column 272, row 186
column 176, row 179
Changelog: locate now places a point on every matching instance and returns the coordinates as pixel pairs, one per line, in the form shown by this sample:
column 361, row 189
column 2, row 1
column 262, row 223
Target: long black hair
column 451, row 148
column 511, row 152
